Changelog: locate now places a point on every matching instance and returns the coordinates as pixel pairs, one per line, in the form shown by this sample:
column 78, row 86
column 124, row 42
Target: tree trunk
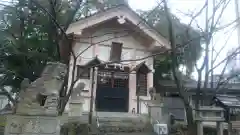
column 191, row 124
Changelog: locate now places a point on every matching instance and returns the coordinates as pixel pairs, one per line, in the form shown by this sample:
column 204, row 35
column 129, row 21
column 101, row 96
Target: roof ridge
column 105, row 10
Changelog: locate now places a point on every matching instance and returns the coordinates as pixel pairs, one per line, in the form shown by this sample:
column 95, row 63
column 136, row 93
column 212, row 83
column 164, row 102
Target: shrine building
column 119, row 37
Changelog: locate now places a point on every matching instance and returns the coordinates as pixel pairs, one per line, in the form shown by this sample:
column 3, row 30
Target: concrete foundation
column 32, row 125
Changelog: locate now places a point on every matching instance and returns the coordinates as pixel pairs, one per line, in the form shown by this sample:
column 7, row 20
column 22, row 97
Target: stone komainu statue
column 49, row 83
column 152, row 93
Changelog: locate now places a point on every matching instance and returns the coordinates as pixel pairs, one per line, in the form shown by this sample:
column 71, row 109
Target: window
column 120, row 80
column 105, row 78
column 83, row 73
column 113, row 79
column 116, row 51
column 142, row 84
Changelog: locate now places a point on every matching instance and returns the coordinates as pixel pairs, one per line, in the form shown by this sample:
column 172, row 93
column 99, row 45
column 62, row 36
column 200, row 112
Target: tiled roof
column 192, row 85
column 143, row 66
column 229, row 101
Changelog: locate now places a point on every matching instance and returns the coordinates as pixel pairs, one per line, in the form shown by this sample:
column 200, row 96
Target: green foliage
column 29, row 39
column 187, row 41
column 90, row 7
column 113, row 3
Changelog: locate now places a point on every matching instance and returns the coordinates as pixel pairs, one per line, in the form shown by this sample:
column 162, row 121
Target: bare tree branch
column 229, row 24
column 223, row 83
column 236, row 52
column 223, row 71
column 174, row 56
column 222, row 48
column 197, row 14
column 220, row 15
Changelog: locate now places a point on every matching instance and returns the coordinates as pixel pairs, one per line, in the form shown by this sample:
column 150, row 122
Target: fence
column 162, row 113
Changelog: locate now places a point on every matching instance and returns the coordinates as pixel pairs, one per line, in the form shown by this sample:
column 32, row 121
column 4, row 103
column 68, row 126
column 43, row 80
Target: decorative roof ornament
column 101, row 1
column 121, row 19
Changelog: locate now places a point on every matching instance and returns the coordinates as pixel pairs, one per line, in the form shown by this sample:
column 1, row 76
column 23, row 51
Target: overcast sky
column 178, row 7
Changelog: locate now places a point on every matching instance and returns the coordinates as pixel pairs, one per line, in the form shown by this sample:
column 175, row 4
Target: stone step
column 121, row 120
column 143, row 133
column 123, row 123
column 120, row 125
column 117, row 127
column 123, row 130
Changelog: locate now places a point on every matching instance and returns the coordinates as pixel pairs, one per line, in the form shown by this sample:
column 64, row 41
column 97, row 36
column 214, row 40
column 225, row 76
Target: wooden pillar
column 93, row 88
column 91, row 96
column 132, row 91
column 138, row 100
column 229, row 122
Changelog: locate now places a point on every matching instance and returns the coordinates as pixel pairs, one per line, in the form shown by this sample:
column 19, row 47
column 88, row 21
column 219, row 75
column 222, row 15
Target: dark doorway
column 112, row 90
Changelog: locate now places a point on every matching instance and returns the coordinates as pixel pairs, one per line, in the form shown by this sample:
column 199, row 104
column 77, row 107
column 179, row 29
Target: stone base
column 31, row 125
column 37, row 110
column 123, row 123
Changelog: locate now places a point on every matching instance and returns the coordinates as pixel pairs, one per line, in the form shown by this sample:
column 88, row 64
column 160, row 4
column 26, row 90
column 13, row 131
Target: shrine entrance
column 112, row 93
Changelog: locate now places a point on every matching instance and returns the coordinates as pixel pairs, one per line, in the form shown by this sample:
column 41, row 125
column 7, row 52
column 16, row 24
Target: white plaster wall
column 101, row 46
column 86, row 55
column 103, row 52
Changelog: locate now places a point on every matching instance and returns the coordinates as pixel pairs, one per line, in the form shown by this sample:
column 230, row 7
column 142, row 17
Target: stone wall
column 2, row 124
column 31, row 125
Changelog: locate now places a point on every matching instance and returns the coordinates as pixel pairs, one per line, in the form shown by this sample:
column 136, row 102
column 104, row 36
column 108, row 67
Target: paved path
column 117, row 114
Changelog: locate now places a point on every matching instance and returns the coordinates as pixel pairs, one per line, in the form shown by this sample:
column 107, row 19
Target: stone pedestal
column 36, row 111
column 199, row 128
column 229, row 128
column 75, row 109
column 220, row 128
column 32, row 125
column 76, row 106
